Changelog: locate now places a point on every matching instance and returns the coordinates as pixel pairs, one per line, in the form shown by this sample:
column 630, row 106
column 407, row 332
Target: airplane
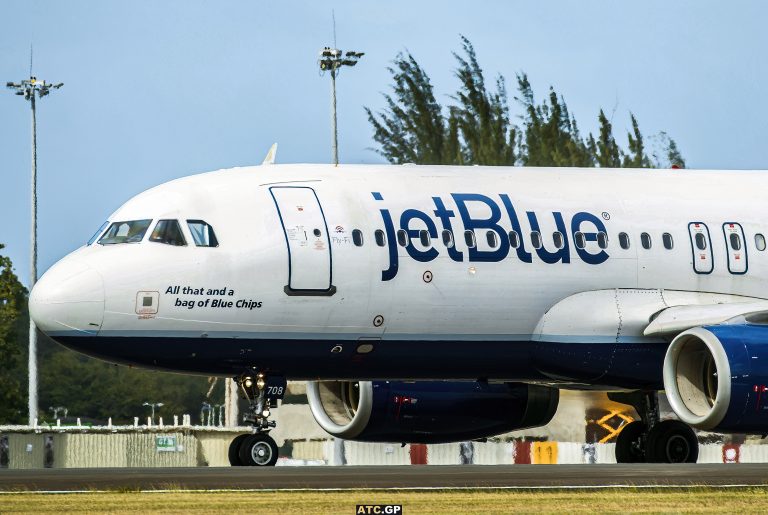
column 438, row 303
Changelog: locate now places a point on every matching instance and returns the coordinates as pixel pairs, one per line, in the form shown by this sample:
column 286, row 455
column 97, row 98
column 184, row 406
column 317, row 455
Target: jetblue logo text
column 379, row 509
column 501, row 218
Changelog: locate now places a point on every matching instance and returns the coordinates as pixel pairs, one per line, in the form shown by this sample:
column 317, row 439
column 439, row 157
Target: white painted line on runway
column 404, row 488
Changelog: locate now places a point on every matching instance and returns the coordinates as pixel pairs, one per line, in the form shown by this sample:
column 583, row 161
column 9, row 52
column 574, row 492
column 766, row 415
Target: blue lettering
column 548, row 257
column 482, row 227
column 389, row 229
column 522, row 254
column 491, row 223
column 445, row 216
column 584, row 254
column 413, row 234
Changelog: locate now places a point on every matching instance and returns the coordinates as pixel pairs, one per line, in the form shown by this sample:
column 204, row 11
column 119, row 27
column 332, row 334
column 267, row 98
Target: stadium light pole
column 30, row 89
column 331, row 60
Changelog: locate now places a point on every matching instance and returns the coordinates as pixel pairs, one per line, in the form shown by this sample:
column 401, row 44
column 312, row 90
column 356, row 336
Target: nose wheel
column 257, row 449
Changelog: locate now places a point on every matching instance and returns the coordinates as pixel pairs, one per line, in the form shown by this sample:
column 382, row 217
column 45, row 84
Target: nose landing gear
column 257, row 449
column 651, row 440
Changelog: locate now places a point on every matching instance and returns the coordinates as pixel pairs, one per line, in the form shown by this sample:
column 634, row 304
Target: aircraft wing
column 676, row 319
column 627, row 314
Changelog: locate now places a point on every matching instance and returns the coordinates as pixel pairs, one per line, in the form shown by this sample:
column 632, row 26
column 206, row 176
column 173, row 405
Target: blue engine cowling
column 427, row 411
column 716, row 377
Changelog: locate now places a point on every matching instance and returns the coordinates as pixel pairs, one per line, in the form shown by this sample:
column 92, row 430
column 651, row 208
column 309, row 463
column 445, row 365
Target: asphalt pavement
column 355, row 477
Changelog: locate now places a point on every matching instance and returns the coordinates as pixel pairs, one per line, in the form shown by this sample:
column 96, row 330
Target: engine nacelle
column 427, row 411
column 716, row 377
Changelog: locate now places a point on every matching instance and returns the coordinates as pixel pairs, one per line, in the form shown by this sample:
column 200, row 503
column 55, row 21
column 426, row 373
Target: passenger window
column 735, row 241
column 381, row 240
column 760, row 242
column 125, row 232
column 202, row 234
column 579, row 240
column 490, row 236
column 624, row 240
column 536, row 239
column 424, row 237
column 448, row 238
column 97, row 233
column 469, row 239
column 168, row 232
column 666, row 239
column 701, row 241
column 357, row 237
column 602, row 240
column 402, row 238
column 557, row 236
column 645, row 240
column 514, row 239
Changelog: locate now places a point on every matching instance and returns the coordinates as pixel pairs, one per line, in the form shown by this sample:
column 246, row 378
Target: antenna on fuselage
column 270, row 158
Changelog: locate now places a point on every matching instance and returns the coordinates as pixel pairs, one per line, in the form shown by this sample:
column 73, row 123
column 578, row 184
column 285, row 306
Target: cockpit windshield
column 168, row 232
column 97, row 233
column 125, row 232
column 202, row 233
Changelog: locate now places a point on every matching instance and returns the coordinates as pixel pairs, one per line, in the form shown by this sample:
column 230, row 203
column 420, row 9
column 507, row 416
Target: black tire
column 258, row 450
column 234, row 450
column 671, row 441
column 629, row 444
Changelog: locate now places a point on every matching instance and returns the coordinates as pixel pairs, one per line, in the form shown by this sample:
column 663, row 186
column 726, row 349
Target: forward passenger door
column 306, row 237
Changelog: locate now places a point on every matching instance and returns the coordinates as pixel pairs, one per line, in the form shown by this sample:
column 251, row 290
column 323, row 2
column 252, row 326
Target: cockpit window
column 98, row 233
column 202, row 233
column 168, row 232
column 125, row 232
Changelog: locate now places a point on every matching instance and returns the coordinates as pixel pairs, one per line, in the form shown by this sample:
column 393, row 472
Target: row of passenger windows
column 470, row 239
column 167, row 232
column 579, row 239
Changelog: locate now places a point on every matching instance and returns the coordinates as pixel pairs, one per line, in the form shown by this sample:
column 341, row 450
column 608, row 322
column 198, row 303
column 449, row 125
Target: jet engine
column 716, row 377
column 427, row 411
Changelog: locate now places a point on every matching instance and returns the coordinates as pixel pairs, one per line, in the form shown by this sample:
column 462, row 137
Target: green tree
column 413, row 128
column 12, row 307
column 608, row 152
column 483, row 117
column 96, row 390
column 551, row 135
column 477, row 127
column 636, row 157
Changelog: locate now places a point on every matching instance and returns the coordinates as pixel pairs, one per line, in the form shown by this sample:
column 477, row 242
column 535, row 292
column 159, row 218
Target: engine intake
column 427, row 411
column 716, row 377
column 342, row 408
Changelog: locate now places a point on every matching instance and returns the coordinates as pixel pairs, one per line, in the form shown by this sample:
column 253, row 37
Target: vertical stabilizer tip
column 270, row 159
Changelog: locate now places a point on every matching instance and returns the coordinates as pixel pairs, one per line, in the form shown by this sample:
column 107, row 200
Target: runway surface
column 349, row 477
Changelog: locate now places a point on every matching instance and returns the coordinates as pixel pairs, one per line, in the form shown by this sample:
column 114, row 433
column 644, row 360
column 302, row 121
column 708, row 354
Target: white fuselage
column 272, row 277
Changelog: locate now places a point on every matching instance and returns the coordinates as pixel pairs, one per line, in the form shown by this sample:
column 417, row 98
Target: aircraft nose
column 68, row 299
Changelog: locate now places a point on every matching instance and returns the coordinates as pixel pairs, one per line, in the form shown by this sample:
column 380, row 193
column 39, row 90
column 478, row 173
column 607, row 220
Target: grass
column 635, row 500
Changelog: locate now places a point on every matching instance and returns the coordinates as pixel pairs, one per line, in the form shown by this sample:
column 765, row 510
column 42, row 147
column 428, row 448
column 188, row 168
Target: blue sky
column 159, row 90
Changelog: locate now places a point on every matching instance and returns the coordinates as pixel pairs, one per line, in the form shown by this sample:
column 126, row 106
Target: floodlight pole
column 332, row 59
column 29, row 89
column 335, row 146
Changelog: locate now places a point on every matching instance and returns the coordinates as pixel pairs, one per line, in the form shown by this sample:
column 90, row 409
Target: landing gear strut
column 652, row 440
column 257, row 449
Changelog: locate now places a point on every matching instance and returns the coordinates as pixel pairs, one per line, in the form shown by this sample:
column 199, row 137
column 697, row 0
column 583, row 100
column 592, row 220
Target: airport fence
column 185, row 445
column 496, row 453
